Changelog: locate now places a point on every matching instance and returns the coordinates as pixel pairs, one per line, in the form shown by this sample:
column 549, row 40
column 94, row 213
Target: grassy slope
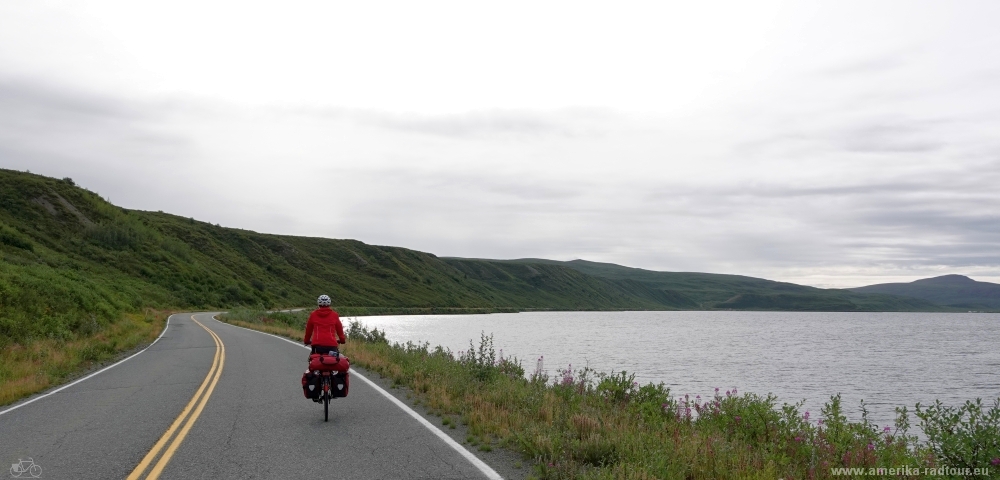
column 73, row 263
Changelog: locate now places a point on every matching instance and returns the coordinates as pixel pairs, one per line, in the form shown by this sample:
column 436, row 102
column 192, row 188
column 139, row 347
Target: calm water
column 887, row 359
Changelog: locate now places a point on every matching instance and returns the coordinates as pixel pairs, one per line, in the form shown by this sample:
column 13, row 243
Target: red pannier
column 310, row 386
column 328, row 363
column 339, row 381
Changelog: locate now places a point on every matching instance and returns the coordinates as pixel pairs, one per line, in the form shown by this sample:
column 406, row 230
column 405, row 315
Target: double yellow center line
column 187, row 417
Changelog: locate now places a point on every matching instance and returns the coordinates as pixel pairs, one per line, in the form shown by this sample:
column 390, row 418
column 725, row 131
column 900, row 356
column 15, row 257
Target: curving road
column 249, row 421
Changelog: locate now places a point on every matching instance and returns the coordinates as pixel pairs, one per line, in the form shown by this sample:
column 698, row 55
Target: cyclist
column 324, row 332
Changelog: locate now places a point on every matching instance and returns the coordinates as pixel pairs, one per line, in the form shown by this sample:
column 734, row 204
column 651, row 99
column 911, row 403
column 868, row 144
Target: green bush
column 41, row 302
column 484, row 364
column 964, row 437
column 9, row 236
column 358, row 332
column 123, row 232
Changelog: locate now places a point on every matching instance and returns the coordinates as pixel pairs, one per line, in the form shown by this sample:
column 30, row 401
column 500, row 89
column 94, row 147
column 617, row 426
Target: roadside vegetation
column 33, row 366
column 594, row 425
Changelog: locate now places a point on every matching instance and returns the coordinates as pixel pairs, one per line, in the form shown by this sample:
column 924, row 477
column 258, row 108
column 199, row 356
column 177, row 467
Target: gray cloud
column 574, row 122
column 31, row 112
column 118, row 148
column 869, row 65
column 29, row 101
column 887, row 137
column 944, row 216
column 475, row 124
column 872, row 135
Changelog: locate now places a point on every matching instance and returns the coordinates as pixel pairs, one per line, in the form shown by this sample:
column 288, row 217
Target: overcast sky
column 824, row 143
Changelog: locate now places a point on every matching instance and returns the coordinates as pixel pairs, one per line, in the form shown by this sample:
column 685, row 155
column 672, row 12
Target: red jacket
column 324, row 328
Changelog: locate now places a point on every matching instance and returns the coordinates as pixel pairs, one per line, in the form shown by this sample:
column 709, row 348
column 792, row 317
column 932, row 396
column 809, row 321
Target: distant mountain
column 956, row 291
column 707, row 291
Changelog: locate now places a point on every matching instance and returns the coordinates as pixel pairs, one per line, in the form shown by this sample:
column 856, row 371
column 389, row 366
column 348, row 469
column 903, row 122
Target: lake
column 887, row 359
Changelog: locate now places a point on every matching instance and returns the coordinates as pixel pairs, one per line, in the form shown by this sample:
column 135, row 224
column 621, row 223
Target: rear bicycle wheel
column 326, row 400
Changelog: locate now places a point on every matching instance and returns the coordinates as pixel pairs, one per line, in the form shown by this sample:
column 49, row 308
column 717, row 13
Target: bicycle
column 331, row 368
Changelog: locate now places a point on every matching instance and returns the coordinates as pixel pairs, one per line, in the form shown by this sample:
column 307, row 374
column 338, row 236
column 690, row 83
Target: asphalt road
column 254, row 424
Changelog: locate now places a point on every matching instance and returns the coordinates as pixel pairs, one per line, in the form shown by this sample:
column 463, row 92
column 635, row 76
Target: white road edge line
column 109, row 367
column 481, row 465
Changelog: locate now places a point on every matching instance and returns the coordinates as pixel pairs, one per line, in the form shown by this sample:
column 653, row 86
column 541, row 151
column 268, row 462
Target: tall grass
column 33, row 366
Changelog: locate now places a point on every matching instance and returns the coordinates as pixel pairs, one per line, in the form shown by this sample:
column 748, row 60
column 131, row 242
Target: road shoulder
column 509, row 464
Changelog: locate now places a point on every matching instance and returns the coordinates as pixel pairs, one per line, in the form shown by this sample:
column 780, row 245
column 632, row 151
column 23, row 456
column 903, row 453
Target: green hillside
column 71, row 262
column 957, row 291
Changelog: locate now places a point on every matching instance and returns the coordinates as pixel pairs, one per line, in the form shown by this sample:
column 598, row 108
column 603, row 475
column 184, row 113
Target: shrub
column 121, row 234
column 966, row 436
column 356, row 331
column 9, row 236
column 481, row 362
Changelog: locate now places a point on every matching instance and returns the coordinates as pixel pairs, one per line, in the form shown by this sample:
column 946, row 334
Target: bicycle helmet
column 323, row 301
